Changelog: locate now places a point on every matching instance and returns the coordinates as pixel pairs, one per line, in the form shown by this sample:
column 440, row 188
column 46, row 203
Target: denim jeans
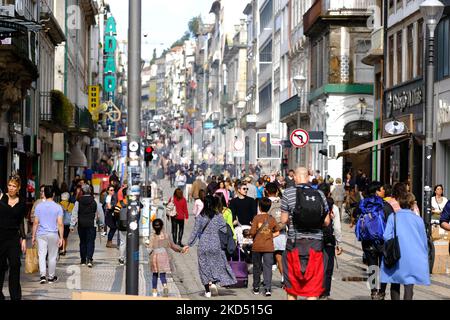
column 87, row 242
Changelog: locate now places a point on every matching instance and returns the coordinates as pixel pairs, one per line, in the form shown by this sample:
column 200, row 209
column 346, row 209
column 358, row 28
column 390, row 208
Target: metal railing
column 45, row 100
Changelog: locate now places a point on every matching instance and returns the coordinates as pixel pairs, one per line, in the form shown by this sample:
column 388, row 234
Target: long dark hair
column 210, row 207
column 221, row 202
column 178, row 194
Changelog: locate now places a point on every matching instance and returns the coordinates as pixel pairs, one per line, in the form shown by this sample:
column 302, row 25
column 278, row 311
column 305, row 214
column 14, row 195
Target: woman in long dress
column 213, row 266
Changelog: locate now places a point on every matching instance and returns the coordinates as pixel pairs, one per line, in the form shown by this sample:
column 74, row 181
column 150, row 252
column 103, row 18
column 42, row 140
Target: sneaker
column 255, row 291
column 90, row 264
column 207, row 294
column 214, row 290
column 154, row 293
column 43, row 280
column 83, row 263
column 121, row 262
column 268, row 293
column 165, row 292
column 104, row 234
column 53, row 280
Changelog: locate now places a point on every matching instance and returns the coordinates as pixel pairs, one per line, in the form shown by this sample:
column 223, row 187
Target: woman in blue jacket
column 413, row 267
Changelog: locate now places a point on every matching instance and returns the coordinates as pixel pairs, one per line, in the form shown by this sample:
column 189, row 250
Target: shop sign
column 399, row 102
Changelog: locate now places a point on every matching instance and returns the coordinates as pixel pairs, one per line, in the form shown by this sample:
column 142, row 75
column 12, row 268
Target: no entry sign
column 299, row 138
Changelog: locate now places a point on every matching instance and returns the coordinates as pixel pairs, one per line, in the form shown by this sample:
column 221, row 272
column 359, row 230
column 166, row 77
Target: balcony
column 344, row 12
column 376, row 52
column 56, row 111
column 84, row 118
column 51, row 24
column 290, row 108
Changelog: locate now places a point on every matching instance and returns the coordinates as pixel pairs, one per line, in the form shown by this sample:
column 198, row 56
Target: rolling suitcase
column 240, row 271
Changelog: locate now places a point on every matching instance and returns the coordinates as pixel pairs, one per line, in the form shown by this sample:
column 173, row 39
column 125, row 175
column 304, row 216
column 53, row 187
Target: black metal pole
column 134, row 146
column 428, row 179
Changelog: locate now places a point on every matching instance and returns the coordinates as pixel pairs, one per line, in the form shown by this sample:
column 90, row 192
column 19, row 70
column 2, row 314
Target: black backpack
column 309, row 210
column 227, row 243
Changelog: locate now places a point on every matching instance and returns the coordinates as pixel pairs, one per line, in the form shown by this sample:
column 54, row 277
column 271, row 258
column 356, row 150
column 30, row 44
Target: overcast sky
column 165, row 21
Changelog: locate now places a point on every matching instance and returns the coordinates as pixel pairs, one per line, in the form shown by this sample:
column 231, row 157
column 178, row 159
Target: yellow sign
column 94, row 100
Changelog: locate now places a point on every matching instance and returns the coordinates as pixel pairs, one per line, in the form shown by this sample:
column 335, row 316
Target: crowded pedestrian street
column 349, row 278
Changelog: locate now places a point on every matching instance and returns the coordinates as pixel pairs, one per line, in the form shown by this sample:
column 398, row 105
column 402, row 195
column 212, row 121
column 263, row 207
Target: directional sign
column 300, row 138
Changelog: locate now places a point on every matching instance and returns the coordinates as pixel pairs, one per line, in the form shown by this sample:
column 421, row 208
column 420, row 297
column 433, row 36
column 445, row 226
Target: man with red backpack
column 372, row 215
column 305, row 211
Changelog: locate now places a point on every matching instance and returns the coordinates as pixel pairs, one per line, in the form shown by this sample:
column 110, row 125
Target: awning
column 372, row 144
column 11, row 26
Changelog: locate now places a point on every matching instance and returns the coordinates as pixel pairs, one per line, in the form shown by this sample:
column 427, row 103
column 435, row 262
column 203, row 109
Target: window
column 421, row 48
column 410, row 53
column 265, row 98
column 399, row 57
column 266, row 16
column 362, row 72
column 391, row 7
column 391, row 62
column 442, row 50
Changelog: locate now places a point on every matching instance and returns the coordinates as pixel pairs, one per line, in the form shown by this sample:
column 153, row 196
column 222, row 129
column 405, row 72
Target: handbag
column 391, row 249
column 170, row 209
column 31, row 260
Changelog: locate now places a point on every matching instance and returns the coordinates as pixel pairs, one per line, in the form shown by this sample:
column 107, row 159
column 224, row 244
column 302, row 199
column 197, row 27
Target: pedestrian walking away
column 67, row 218
column 264, row 229
column 212, row 261
column 85, row 214
column 159, row 259
column 48, row 231
column 305, row 210
column 182, row 214
column 412, row 267
column 12, row 237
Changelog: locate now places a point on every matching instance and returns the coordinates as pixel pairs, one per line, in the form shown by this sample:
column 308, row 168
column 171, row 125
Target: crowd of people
column 290, row 224
column 295, row 225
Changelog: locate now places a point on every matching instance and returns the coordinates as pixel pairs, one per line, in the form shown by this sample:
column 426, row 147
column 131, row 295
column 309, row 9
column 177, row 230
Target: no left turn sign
column 299, row 138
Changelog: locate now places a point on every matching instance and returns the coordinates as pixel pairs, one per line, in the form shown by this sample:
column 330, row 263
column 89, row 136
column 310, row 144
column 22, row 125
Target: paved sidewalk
column 107, row 276
column 349, row 279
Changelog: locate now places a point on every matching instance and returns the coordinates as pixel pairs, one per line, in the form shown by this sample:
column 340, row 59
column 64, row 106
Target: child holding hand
column 159, row 259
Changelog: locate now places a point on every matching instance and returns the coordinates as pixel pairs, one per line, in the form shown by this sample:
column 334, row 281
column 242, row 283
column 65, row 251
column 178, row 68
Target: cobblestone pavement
column 349, row 280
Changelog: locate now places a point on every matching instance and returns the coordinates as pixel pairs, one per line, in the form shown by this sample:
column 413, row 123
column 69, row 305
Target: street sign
column 238, row 145
column 299, row 138
column 208, row 125
column 316, row 137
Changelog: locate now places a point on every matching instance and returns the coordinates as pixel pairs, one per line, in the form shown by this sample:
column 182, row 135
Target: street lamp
column 432, row 12
column 299, row 82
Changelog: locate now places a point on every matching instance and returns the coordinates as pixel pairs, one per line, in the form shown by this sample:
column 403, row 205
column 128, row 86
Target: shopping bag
column 31, row 261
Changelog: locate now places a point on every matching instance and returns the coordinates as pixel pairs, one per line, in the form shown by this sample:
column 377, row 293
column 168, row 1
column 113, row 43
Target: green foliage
column 194, row 26
column 62, row 109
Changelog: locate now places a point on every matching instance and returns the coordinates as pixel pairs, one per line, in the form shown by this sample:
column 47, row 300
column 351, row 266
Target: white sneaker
column 155, row 294
column 208, row 294
column 214, row 290
column 104, row 234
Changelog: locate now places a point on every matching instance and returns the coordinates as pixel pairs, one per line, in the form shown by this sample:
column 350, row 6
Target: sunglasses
column 111, row 190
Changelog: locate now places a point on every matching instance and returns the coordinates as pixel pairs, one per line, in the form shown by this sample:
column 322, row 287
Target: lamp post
column 299, row 82
column 134, row 146
column 432, row 12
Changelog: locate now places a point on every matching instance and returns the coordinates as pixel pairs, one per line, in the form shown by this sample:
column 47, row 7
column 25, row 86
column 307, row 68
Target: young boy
column 264, row 229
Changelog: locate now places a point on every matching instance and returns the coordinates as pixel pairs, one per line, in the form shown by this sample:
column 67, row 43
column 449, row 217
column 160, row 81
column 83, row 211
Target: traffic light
column 148, row 154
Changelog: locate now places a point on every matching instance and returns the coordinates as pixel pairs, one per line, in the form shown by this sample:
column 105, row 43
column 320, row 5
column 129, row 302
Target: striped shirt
column 288, row 205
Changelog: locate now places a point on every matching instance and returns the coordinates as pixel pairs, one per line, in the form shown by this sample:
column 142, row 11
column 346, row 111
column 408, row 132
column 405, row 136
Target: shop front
column 402, row 161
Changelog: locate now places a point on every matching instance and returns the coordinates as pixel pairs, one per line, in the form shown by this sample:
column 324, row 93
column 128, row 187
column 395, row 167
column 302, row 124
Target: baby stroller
column 245, row 243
